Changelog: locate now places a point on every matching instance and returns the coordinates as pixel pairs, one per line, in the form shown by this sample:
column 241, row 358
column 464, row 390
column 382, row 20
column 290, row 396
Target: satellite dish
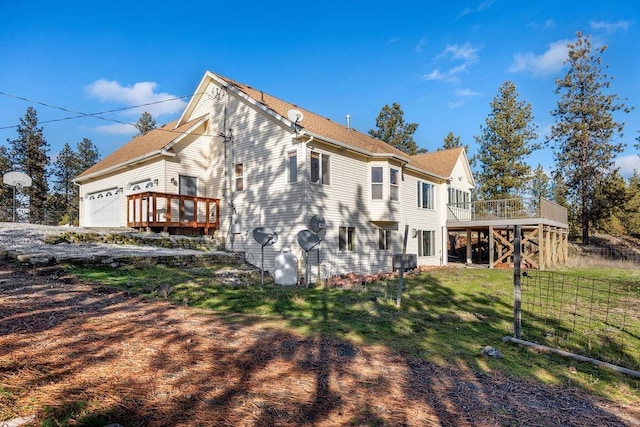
column 265, row 236
column 295, row 116
column 308, row 239
column 317, row 225
column 17, row 179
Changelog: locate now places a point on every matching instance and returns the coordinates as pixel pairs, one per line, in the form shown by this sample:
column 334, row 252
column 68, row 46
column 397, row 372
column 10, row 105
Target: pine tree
column 631, row 216
column 505, row 142
column 145, row 123
column 64, row 170
column 28, row 154
column 540, row 184
column 583, row 134
column 391, row 128
column 87, row 154
column 6, row 192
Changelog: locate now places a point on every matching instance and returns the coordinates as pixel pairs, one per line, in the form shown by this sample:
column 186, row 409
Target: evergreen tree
column 540, row 184
column 6, row 192
column 391, row 128
column 609, row 203
column 505, row 142
column 453, row 141
column 631, row 216
column 87, row 154
column 28, row 154
column 64, row 170
column 145, row 123
column 583, row 134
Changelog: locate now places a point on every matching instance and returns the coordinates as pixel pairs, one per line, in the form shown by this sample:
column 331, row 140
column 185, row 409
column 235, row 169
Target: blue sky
column 443, row 62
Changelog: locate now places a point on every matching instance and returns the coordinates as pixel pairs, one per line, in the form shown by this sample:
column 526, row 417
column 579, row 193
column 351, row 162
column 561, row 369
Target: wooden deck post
column 469, row 246
column 491, row 247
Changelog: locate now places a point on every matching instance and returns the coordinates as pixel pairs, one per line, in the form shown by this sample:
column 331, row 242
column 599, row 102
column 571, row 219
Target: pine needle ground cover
column 162, row 346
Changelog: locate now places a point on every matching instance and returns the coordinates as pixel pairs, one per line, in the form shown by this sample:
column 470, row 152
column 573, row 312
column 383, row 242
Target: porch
column 173, row 213
column 544, row 226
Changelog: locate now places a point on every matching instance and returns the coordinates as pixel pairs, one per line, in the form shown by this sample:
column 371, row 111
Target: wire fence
column 596, row 318
column 43, row 216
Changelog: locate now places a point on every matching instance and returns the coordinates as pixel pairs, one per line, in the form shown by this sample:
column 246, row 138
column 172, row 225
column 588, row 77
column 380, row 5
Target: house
column 238, row 159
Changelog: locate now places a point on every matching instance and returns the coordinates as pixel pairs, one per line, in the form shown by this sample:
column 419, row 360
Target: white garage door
column 102, row 209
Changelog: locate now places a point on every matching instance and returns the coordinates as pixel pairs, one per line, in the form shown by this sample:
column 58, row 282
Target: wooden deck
column 506, row 212
column 544, row 226
column 173, row 213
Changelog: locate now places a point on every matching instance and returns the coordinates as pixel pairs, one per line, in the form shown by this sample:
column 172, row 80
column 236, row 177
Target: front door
column 188, row 187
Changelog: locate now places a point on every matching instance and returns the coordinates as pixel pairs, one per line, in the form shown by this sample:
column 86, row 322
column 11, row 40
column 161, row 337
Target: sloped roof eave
column 119, row 166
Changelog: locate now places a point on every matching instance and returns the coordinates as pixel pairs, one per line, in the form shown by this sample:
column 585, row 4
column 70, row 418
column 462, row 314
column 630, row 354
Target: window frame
column 430, row 243
column 394, row 187
column 377, row 187
column 346, row 239
column 430, row 201
column 385, row 242
column 292, row 167
column 323, row 168
column 238, row 177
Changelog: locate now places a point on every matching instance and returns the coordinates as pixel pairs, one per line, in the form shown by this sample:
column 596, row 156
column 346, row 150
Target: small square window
column 239, row 175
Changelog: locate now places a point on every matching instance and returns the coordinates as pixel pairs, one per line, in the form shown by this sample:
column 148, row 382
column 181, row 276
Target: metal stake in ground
column 517, row 290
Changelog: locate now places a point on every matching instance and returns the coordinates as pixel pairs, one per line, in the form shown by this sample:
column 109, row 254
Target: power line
column 80, row 114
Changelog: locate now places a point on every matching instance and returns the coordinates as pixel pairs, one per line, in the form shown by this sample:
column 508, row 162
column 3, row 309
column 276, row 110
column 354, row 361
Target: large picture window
column 347, row 239
column 426, row 195
column 427, row 243
column 376, row 182
column 319, row 168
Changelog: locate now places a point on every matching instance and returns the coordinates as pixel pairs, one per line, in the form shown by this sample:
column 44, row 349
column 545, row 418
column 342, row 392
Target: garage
column 102, row 209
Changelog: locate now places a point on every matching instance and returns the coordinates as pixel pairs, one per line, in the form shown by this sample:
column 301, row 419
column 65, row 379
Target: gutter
column 367, row 153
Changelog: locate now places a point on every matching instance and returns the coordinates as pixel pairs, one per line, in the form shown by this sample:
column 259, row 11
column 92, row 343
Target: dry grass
column 79, row 354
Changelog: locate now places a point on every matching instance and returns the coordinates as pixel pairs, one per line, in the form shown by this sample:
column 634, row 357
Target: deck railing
column 163, row 210
column 517, row 208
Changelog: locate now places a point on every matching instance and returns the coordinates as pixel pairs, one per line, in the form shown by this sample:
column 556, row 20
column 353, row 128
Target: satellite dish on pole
column 17, row 180
column 307, row 240
column 266, row 237
column 295, row 116
column 318, row 226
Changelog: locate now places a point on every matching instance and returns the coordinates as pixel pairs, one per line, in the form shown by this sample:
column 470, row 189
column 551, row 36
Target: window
column 458, row 196
column 394, row 189
column 426, row 243
column 376, row 182
column 239, row 174
column 347, row 239
column 319, row 168
column 384, row 239
column 293, row 166
column 425, row 195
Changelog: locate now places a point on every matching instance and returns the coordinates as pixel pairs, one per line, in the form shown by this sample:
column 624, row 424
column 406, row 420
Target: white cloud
column 117, row 129
column 461, row 96
column 420, row 45
column 610, row 26
column 140, row 95
column 461, row 56
column 549, row 24
column 482, row 6
column 547, row 63
column 628, row 164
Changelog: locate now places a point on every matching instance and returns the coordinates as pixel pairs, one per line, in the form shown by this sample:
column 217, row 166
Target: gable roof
column 438, row 164
column 142, row 147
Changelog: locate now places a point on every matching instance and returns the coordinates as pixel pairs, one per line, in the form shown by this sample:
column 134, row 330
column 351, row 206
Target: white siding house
column 276, row 165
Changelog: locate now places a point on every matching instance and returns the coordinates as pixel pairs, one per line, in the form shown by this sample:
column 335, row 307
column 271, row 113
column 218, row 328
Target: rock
column 41, row 261
column 491, row 352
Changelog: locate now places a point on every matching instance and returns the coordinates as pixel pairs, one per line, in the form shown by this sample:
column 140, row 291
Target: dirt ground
column 70, row 348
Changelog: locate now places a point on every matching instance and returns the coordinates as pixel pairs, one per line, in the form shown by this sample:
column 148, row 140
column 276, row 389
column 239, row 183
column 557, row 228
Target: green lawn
column 447, row 316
